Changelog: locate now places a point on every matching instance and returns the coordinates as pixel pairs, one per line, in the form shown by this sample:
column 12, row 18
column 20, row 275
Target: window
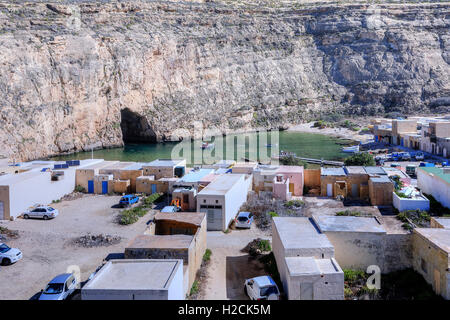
column 217, row 201
column 204, row 200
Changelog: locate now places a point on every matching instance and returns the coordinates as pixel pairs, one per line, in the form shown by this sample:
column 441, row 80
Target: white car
column 60, row 288
column 42, row 212
column 419, row 156
column 261, row 288
column 9, row 255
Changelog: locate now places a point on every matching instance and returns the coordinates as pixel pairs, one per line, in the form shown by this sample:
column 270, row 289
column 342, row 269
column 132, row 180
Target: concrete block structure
column 305, row 260
column 186, row 197
column 103, row 184
column 381, row 189
column 312, row 180
column 222, row 198
column 244, row 167
column 35, row 183
column 263, row 177
column 415, row 201
column 85, row 176
column 137, row 279
column 165, row 168
column 333, row 182
column 357, row 182
column 281, row 188
column 440, row 222
column 180, row 235
column 121, row 186
column 144, row 184
column 436, row 182
column 431, row 257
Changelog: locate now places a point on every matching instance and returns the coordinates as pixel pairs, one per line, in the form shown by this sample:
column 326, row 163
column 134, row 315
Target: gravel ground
column 229, row 266
column 48, row 247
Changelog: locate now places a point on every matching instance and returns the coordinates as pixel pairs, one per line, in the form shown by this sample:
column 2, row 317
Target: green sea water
column 308, row 145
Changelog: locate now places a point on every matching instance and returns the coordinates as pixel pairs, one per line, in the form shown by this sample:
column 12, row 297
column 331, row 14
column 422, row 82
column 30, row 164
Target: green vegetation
column 264, row 245
column 437, row 208
column 79, row 188
column 195, row 288
column 352, row 276
column 398, row 184
column 272, row 214
column 360, row 159
column 294, row 203
column 132, row 215
column 406, row 284
column 147, row 202
column 56, row 201
column 207, row 255
column 292, row 161
column 418, row 217
column 349, row 213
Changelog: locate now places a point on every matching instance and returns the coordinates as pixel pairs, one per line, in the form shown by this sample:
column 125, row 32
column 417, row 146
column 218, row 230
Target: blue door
column 153, row 188
column 104, row 187
column 91, row 186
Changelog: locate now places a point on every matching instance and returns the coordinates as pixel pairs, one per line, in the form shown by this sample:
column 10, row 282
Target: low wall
column 403, row 204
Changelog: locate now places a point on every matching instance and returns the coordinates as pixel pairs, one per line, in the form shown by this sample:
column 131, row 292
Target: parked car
column 41, row 212
column 261, row 288
column 405, row 156
column 9, row 255
column 170, row 209
column 60, row 288
column 244, row 220
column 128, row 200
column 411, row 170
column 395, row 165
column 419, row 156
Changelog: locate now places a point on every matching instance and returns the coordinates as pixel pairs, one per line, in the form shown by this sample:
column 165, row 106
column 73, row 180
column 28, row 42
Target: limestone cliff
column 76, row 75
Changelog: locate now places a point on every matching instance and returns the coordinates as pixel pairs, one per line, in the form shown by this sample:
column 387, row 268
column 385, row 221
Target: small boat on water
column 207, row 145
column 353, row 149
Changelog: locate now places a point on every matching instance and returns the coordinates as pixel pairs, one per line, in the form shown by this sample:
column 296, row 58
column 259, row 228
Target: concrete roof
column 224, row 163
column 355, row 170
column 164, row 163
column 347, row 224
column 445, row 222
column 138, row 274
column 290, row 169
column 209, row 178
column 246, row 164
column 99, row 165
column 118, row 165
column 390, row 171
column 308, row 265
column 438, row 236
column 222, row 184
column 375, row 170
column 196, row 175
column 381, row 179
column 300, row 233
column 439, row 172
column 195, row 218
column 332, row 172
column 176, row 241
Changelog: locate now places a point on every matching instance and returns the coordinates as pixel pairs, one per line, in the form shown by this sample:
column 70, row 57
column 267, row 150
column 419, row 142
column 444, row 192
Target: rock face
column 70, row 71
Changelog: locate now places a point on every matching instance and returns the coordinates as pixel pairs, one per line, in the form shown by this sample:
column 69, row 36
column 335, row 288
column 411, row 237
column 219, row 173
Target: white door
column 2, row 210
column 329, row 190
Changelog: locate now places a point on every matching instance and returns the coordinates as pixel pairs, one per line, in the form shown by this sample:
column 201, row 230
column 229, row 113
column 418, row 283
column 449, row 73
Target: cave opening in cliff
column 135, row 128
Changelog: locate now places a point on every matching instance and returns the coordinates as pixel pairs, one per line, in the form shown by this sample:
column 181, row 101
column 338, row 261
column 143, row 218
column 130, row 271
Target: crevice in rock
column 135, row 128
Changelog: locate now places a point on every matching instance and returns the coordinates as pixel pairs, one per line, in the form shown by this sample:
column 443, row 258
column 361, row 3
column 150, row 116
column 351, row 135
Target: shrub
column 131, row 215
column 360, row 159
column 207, row 255
column 354, row 275
column 79, row 188
column 348, row 293
column 195, row 287
column 264, row 245
column 349, row 213
column 294, row 203
column 292, row 161
column 147, row 202
column 272, row 214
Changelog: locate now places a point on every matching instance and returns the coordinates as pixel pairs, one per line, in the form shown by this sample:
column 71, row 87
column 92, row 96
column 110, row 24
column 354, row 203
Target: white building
column 36, row 182
column 436, row 182
column 305, row 261
column 137, row 279
column 222, row 198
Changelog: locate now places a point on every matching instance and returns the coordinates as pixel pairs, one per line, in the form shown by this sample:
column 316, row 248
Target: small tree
column 360, row 159
column 292, row 161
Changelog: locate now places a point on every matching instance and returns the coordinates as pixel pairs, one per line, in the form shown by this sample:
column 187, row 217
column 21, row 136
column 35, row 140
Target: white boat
column 353, row 149
column 206, row 145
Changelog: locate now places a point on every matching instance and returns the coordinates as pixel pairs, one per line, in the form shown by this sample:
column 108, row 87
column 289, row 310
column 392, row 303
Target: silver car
column 60, row 288
column 244, row 220
column 41, row 212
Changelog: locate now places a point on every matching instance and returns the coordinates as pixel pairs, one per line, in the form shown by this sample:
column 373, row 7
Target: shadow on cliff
column 135, row 128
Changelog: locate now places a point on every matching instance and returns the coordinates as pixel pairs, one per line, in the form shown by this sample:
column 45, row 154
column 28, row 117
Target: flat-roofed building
column 222, row 198
column 137, row 279
column 165, row 168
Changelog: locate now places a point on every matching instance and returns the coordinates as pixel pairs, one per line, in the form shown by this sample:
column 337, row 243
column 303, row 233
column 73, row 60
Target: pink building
column 295, row 176
column 281, row 188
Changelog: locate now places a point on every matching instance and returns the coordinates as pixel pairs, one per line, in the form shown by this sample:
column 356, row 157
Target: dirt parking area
column 48, row 248
column 230, row 266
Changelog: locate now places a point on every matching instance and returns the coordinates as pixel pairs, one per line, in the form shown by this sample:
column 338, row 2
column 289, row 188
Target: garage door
column 214, row 217
column 2, row 217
